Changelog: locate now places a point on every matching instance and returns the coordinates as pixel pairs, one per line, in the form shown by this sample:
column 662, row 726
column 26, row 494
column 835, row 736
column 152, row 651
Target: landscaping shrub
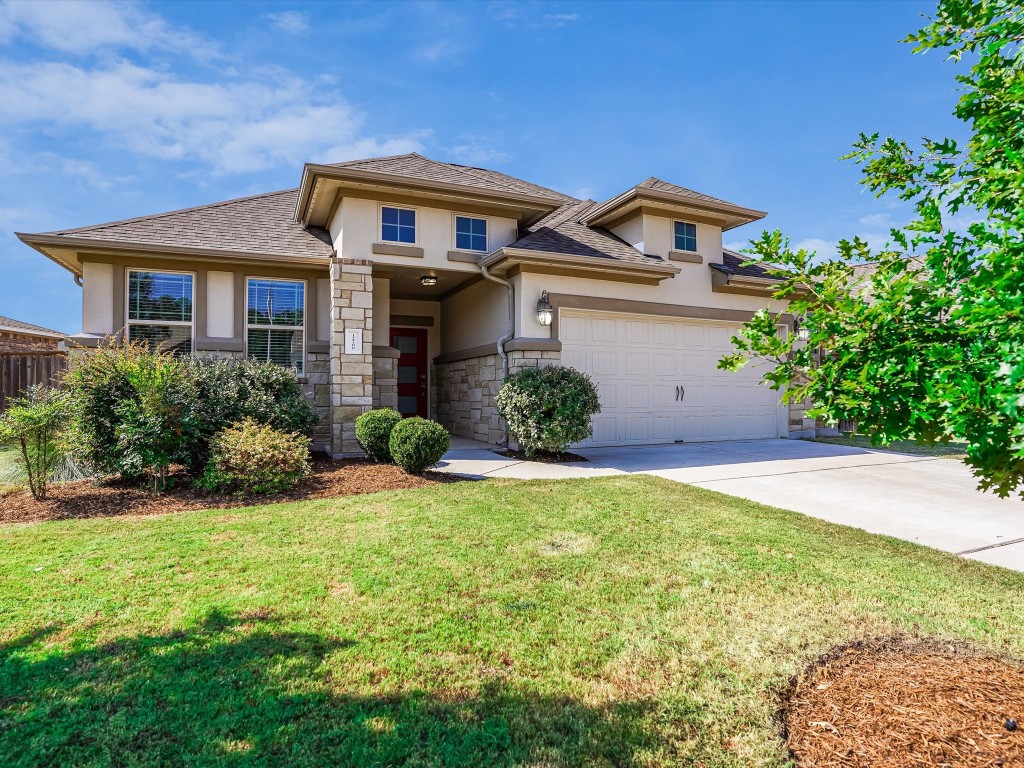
column 418, row 443
column 373, row 431
column 250, row 457
column 137, row 411
column 33, row 423
column 548, row 408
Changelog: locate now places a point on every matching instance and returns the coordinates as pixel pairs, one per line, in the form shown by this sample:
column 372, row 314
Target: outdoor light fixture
column 544, row 311
column 801, row 330
column 428, row 280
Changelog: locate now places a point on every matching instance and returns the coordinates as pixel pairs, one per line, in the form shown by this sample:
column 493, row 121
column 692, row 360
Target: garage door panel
column 638, row 362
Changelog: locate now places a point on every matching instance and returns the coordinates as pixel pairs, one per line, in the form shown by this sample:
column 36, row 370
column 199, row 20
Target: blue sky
column 113, row 111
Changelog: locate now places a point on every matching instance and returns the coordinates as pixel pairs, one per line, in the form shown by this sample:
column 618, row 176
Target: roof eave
column 42, row 241
column 311, row 171
column 734, row 215
column 586, row 263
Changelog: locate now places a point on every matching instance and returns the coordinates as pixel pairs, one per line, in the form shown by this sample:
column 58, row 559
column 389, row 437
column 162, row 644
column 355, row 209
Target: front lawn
column 613, row 621
column 943, row 450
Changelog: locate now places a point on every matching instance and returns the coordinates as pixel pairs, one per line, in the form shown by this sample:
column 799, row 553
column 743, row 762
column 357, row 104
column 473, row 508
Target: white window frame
column 305, row 317
column 455, row 238
column 128, row 322
column 415, row 226
column 696, row 239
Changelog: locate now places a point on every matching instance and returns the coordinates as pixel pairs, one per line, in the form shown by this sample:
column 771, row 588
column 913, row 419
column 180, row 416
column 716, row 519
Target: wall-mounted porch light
column 802, row 332
column 544, row 310
column 428, row 280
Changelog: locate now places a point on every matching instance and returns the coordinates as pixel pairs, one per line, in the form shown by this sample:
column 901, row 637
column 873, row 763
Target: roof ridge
column 345, row 163
column 151, row 216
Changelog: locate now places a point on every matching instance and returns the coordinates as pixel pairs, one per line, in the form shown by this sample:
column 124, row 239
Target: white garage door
column 658, row 380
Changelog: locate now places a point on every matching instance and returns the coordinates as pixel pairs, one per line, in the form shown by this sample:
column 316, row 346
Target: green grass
column 615, row 621
column 944, row 450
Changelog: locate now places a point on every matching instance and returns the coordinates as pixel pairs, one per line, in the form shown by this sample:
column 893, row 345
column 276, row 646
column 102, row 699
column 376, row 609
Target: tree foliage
column 925, row 338
column 34, row 423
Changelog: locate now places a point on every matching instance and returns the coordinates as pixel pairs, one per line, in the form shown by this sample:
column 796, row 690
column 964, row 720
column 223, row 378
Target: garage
column 658, row 380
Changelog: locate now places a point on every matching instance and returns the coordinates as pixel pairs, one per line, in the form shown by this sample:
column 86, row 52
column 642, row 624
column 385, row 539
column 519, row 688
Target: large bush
column 138, row 411
column 418, row 443
column 250, row 457
column 134, row 411
column 548, row 408
column 33, row 423
column 373, row 431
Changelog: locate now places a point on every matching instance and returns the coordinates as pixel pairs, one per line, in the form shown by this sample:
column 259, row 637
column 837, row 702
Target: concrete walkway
column 930, row 501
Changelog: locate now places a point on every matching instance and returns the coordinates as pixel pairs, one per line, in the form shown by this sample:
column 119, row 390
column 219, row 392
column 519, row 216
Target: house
column 17, row 337
column 407, row 282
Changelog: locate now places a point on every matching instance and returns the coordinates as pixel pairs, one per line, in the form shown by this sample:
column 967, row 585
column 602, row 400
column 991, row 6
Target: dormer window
column 397, row 225
column 685, row 236
column 470, row 234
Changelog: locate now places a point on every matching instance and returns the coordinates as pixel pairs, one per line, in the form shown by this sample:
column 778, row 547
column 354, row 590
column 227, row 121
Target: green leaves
column 925, row 339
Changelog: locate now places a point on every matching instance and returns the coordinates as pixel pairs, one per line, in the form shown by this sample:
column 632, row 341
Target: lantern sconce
column 544, row 310
column 800, row 330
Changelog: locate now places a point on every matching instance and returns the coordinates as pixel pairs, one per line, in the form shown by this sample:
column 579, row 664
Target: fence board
column 20, row 371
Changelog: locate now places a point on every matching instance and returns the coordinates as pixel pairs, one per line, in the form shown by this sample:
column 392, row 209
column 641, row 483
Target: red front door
column 412, row 370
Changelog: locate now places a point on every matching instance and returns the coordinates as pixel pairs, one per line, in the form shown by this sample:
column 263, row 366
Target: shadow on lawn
column 236, row 692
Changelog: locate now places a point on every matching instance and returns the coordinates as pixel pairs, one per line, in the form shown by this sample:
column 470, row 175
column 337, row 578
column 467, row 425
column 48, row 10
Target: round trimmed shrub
column 249, row 457
column 373, row 431
column 418, row 443
column 548, row 408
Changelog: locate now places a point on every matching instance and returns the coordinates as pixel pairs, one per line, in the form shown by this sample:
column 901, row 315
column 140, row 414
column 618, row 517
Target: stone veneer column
column 351, row 374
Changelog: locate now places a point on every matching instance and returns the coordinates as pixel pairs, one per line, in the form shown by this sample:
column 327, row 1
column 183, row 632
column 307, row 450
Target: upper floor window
column 686, row 236
column 275, row 322
column 397, row 225
column 160, row 309
column 470, row 233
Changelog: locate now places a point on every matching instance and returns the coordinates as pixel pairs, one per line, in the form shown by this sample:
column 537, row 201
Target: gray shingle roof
column 732, row 265
column 10, row 324
column 663, row 186
column 262, row 224
column 561, row 232
column 416, row 166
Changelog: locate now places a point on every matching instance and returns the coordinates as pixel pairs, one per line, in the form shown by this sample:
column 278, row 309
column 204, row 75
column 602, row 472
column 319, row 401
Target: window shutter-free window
column 275, row 322
column 470, row 233
column 397, row 225
column 686, row 236
column 159, row 309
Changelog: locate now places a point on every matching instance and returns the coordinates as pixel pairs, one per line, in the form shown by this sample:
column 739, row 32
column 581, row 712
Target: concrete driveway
column 930, row 501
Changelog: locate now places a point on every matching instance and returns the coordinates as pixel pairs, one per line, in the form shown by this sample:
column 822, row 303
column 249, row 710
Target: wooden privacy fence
column 19, row 370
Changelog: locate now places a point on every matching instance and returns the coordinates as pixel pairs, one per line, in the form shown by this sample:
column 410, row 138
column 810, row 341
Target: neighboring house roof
column 261, row 224
column 732, row 264
column 11, row 325
column 415, row 166
column 562, row 232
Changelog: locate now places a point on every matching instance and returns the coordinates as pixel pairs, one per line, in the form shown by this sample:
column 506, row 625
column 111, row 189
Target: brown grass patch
column 903, row 703
column 84, row 499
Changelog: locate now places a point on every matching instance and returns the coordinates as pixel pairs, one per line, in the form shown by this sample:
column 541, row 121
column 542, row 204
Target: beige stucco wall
column 474, row 316
column 632, row 231
column 381, row 311
column 659, row 238
column 356, row 227
column 97, row 298
column 220, row 304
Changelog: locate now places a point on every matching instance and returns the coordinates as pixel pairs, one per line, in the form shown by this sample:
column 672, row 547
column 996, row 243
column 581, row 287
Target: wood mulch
column 561, row 457
column 84, row 499
column 903, row 703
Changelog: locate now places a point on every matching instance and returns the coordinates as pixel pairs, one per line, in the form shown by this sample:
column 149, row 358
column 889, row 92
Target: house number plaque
column 354, row 342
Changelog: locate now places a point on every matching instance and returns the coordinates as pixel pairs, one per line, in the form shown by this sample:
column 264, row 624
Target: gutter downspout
column 511, row 320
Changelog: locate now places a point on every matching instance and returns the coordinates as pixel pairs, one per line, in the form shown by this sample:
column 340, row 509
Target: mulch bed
column 902, row 703
column 84, row 498
column 544, row 458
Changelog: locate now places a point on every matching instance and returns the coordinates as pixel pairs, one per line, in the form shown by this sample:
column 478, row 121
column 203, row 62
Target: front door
column 412, row 370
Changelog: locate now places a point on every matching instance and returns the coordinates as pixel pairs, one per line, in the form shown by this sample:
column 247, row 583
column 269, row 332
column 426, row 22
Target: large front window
column 275, row 322
column 397, row 225
column 160, row 309
column 470, row 234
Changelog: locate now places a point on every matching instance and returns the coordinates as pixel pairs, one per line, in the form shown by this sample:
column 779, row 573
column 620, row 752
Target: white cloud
column 561, row 19
column 473, row 153
column 529, row 15
column 293, row 22
column 882, row 220
column 584, row 193
column 736, row 245
column 822, row 248
column 89, row 26
column 229, row 126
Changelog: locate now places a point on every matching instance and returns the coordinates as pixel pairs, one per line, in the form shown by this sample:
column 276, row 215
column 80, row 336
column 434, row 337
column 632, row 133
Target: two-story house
column 406, row 282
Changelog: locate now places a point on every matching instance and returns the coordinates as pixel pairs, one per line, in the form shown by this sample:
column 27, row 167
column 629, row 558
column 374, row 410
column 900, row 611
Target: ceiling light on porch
column 544, row 309
column 428, row 280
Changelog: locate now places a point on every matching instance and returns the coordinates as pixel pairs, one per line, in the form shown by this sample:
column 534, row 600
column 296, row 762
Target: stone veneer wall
column 351, row 375
column 317, row 386
column 466, row 391
column 385, row 377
